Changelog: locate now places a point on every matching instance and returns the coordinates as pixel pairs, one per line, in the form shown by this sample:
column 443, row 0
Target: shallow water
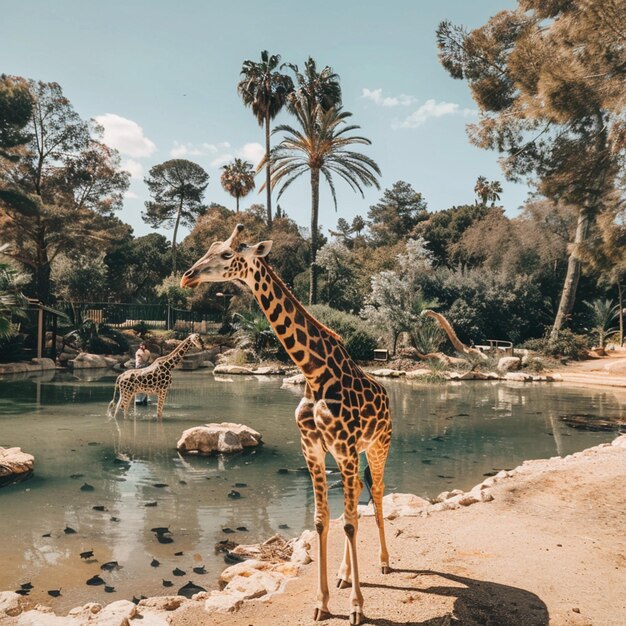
column 445, row 436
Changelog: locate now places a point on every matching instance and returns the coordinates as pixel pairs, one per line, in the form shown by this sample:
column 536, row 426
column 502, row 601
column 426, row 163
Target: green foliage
column 13, row 349
column 427, row 336
column 12, row 302
column 141, row 328
column 358, row 339
column 566, row 345
column 100, row 339
column 80, row 279
column 340, row 287
column 602, row 314
column 237, row 179
column 253, row 330
column 172, row 293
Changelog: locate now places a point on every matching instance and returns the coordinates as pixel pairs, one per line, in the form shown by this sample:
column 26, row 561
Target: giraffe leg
column 344, row 575
column 315, row 456
column 352, row 486
column 376, row 457
column 161, row 395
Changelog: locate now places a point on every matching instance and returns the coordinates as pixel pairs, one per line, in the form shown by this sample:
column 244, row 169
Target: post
column 40, row 333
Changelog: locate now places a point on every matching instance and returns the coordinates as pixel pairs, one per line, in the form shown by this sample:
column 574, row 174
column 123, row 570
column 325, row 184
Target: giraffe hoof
column 343, row 584
column 320, row 615
column 356, row 616
column 385, row 569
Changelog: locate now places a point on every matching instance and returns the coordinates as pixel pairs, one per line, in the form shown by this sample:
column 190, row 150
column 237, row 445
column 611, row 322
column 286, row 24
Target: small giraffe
column 344, row 411
column 156, row 378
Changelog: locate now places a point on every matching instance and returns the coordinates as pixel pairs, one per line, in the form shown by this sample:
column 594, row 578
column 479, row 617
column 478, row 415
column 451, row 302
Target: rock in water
column 94, row 581
column 155, row 563
column 190, row 589
column 223, row 438
column 178, row 572
column 55, row 593
column 87, row 554
column 110, row 566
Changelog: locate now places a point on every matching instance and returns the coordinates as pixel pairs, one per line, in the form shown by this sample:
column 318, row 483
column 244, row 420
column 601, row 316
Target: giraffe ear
column 261, row 249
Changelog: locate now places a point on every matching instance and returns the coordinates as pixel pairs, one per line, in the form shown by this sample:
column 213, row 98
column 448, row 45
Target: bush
column 567, row 345
column 357, row 337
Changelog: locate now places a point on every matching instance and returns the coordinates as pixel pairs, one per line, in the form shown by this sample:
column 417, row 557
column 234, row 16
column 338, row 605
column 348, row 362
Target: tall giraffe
column 156, row 378
column 344, row 411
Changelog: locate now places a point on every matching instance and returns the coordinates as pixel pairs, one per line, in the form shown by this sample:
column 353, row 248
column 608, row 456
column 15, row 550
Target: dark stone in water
column 179, row 553
column 190, row 589
column 168, row 583
column 151, row 503
column 164, row 539
column 283, row 526
column 225, row 545
column 115, row 519
column 93, row 443
column 99, row 507
column 426, row 461
column 490, row 473
column 178, row 572
column 240, row 485
column 591, row 423
column 137, row 600
column 68, row 530
column 55, row 593
column 94, row 581
column 182, row 482
column 28, row 586
column 47, row 535
column 110, row 566
column 154, row 563
column 22, row 592
column 227, row 530
column 160, row 530
column 199, row 570
column 109, row 589
column 242, row 529
column 234, row 494
column 87, row 554
column 438, row 438
column 76, row 476
column 160, row 485
column 231, row 558
column 283, row 470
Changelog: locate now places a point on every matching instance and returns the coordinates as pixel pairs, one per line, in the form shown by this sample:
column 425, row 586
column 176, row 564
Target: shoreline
column 541, row 493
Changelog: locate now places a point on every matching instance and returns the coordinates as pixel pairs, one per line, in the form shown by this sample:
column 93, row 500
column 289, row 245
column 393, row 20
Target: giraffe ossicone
column 344, row 411
column 156, row 378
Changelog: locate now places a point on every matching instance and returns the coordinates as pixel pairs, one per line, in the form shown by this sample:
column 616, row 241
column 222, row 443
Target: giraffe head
column 225, row 261
column 196, row 341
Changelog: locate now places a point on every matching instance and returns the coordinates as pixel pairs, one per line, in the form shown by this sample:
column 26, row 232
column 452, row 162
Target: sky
column 161, row 78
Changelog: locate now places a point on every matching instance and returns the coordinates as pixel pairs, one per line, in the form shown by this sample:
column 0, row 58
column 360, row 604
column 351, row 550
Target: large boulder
column 13, row 461
column 87, row 360
column 398, row 505
column 509, row 363
column 224, row 438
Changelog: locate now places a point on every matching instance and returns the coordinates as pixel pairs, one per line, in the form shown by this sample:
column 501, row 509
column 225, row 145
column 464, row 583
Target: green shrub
column 141, row 328
column 12, row 349
column 360, row 342
column 566, row 345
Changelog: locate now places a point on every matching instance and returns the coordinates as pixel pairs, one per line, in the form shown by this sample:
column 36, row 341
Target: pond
column 445, row 436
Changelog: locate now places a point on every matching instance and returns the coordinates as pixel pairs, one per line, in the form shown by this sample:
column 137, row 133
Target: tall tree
column 177, row 187
column 397, row 214
column 321, row 147
column 61, row 193
column 487, row 191
column 549, row 81
column 265, row 90
column 314, row 88
column 238, row 179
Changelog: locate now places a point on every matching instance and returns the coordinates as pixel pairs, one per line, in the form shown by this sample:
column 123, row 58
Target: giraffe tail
column 112, row 403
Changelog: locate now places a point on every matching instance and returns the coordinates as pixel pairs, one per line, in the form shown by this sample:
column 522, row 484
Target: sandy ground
column 549, row 549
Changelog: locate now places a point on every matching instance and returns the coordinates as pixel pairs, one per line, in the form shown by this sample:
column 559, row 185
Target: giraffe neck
column 308, row 342
column 172, row 359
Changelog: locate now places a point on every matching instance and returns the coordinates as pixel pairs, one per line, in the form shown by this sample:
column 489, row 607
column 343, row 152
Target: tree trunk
column 180, row 208
column 268, row 173
column 574, row 264
column 315, row 205
column 237, row 200
column 620, row 300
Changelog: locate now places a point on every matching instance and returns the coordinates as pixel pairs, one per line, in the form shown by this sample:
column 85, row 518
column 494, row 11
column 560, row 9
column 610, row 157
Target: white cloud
column 221, row 160
column 376, row 96
column 130, row 195
column 133, row 167
column 252, row 152
column 431, row 109
column 181, row 150
column 125, row 135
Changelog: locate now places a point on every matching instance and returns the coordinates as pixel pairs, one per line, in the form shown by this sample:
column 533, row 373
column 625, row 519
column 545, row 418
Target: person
column 142, row 359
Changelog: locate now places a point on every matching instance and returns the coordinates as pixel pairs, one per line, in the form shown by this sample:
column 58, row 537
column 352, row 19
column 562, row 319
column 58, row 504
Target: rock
column 232, row 369
column 163, row 603
column 418, row 373
column 44, row 364
column 474, row 376
column 9, row 604
column 398, row 505
column 257, row 586
column 387, row 373
column 508, row 363
column 298, row 379
column 246, row 568
column 225, row 437
column 85, row 360
column 269, row 371
column 115, row 614
column 13, row 461
column 220, row 602
column 620, row 442
column 554, row 378
column 452, row 375
column 302, row 547
column 519, row 377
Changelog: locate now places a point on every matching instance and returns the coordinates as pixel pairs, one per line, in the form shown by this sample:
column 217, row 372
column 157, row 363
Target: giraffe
column 156, row 378
column 344, row 411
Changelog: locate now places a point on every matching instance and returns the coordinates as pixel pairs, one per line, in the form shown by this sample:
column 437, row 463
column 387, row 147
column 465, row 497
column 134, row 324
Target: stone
column 163, row 603
column 43, row 363
column 398, row 505
column 225, row 437
column 115, row 614
column 245, row 568
column 418, row 373
column 303, row 546
column 298, row 379
column 620, row 442
column 269, row 371
column 86, row 360
column 387, row 373
column 9, row 604
column 220, row 602
column 257, row 586
column 508, row 363
column 518, row 377
column 232, row 369
column 13, row 461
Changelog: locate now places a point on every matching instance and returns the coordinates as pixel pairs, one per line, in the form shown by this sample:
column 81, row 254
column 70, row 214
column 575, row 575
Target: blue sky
column 161, row 77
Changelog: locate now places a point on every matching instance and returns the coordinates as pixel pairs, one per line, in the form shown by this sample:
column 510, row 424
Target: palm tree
column 316, row 88
column 238, row 179
column 12, row 302
column 487, row 190
column 265, row 91
column 321, row 146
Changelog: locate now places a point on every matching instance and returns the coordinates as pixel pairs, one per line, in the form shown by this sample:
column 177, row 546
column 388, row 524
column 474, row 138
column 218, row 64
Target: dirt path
column 550, row 549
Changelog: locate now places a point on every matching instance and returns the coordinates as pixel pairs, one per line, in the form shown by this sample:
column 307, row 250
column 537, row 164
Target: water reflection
column 444, row 436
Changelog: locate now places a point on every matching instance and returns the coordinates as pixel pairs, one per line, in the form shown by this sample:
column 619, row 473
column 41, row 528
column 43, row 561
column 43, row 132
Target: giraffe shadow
column 477, row 602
